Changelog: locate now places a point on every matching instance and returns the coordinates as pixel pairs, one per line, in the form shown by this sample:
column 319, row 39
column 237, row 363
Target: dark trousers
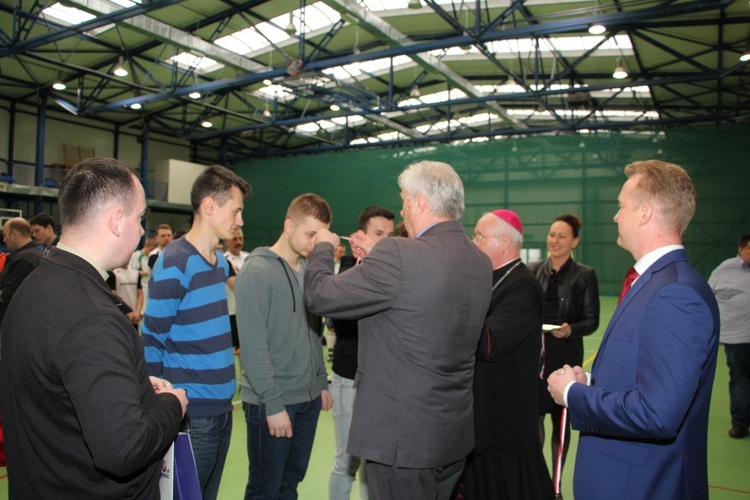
column 210, row 438
column 738, row 360
column 278, row 464
column 386, row 482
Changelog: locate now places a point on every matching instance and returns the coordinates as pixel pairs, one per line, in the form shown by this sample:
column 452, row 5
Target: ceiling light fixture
column 291, row 29
column 746, row 53
column 207, row 124
column 120, row 69
column 267, row 82
column 136, row 106
column 415, row 4
column 597, row 29
column 266, row 112
column 335, row 107
column 620, row 72
column 59, row 84
column 194, row 95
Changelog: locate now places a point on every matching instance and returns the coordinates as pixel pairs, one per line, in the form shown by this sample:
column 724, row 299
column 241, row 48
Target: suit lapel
column 639, row 284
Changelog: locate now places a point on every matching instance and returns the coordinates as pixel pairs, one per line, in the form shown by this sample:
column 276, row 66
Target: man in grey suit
column 421, row 301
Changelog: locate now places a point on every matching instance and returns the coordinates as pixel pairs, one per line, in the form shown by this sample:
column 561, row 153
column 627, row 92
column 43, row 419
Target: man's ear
column 288, row 226
column 208, row 204
column 115, row 220
column 647, row 212
column 420, row 203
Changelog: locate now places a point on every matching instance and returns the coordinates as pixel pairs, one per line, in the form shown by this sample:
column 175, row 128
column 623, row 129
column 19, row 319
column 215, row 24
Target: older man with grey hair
column 507, row 460
column 422, row 301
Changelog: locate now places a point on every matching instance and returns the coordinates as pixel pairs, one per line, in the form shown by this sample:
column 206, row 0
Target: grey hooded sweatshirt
column 281, row 350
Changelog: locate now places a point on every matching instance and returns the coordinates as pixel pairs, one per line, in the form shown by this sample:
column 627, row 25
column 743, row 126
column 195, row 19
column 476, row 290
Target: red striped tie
column 630, row 277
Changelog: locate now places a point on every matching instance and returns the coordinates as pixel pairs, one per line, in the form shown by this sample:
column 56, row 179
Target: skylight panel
column 443, row 96
column 319, row 15
column 272, row 33
column 188, row 60
column 389, row 136
column 126, row 3
column 253, row 38
column 354, row 70
column 235, row 43
column 309, row 128
column 479, row 118
column 412, row 101
column 380, row 5
column 567, row 44
column 276, row 91
column 67, row 15
column 341, row 72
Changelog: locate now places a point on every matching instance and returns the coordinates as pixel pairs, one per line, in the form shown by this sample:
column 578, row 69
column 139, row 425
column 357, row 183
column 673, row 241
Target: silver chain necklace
column 505, row 275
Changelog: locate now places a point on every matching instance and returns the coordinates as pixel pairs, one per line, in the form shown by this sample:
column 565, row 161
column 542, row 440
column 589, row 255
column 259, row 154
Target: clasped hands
column 559, row 380
column 162, row 386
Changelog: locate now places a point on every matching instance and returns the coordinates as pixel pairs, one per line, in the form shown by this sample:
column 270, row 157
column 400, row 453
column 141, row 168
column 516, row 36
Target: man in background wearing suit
column 422, row 302
column 643, row 412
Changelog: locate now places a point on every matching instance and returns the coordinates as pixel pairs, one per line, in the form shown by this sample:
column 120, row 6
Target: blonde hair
column 309, row 204
column 667, row 186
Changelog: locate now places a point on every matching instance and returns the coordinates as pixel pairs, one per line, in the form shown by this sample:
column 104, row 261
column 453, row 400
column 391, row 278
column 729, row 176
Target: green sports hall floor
column 728, row 459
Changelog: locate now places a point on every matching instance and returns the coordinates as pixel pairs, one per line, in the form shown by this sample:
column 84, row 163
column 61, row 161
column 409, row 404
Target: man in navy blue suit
column 643, row 410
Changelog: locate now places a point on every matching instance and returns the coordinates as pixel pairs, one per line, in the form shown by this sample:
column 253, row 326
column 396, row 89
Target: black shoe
column 738, row 431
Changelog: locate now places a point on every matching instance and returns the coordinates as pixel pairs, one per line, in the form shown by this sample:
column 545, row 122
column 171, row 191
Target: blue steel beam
column 614, row 21
column 505, row 98
column 41, row 130
column 97, row 22
column 508, row 132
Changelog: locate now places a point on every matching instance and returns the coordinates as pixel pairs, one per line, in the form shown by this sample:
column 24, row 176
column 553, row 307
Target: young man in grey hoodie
column 284, row 381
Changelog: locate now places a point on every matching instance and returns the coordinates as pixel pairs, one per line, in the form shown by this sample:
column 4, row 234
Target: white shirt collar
column 648, row 260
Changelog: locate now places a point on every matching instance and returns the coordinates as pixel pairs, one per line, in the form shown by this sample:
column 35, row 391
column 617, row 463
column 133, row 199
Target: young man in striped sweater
column 186, row 331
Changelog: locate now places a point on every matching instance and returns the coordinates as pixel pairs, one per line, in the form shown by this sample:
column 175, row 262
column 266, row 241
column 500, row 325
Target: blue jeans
column 738, row 360
column 210, row 438
column 345, row 466
column 278, row 465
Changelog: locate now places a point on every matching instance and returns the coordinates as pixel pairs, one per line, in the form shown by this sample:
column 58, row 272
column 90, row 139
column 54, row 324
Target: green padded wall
column 539, row 177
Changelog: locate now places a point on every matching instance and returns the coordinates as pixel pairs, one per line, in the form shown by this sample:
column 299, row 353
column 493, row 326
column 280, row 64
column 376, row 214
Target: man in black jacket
column 24, row 257
column 81, row 417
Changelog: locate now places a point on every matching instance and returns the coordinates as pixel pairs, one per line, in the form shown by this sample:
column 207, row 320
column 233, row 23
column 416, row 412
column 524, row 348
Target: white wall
column 180, row 176
column 88, row 133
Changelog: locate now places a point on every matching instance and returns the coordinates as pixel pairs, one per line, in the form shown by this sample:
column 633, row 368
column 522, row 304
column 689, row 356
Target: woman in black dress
column 571, row 300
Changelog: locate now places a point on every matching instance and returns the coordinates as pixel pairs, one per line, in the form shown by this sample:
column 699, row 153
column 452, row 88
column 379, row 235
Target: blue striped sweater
column 186, row 334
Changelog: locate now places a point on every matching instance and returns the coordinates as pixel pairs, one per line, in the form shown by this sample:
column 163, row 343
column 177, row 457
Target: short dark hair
column 309, row 204
column 217, row 181
column 373, row 211
column 92, row 185
column 573, row 221
column 744, row 240
column 43, row 220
